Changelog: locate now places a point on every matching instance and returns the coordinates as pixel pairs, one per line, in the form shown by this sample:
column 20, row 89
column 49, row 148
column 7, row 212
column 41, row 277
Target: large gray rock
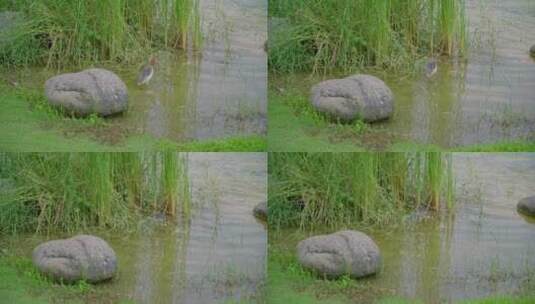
column 261, row 211
column 83, row 257
column 344, row 252
column 526, row 206
column 355, row 97
column 90, row 91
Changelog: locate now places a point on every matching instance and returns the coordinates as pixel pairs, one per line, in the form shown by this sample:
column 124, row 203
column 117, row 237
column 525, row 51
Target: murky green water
column 220, row 92
column 488, row 97
column 217, row 255
column 215, row 93
column 484, row 248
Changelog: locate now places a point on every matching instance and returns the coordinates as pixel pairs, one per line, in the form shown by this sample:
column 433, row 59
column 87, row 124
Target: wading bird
column 431, row 68
column 146, row 72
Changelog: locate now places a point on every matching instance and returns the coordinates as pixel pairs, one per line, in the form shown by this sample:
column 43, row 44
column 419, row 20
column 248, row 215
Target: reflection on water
column 227, row 246
column 216, row 255
column 489, row 97
column 484, row 248
column 232, row 87
column 218, row 93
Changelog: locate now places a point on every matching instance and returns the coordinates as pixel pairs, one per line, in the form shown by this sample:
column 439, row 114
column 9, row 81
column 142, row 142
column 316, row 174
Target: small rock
column 344, row 252
column 261, row 211
column 92, row 91
column 83, row 257
column 355, row 97
column 526, row 206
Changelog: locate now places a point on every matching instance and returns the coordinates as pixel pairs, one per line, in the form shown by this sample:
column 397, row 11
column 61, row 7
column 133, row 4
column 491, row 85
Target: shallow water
column 217, row 255
column 484, row 248
column 218, row 93
column 488, row 97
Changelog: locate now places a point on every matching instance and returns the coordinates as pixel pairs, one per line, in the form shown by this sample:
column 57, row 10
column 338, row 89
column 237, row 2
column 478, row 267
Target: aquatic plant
column 68, row 191
column 322, row 36
column 175, row 185
column 60, row 33
column 315, row 189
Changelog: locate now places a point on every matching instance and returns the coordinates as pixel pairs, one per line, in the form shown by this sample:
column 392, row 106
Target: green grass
column 254, row 143
column 14, row 288
column 494, row 300
column 311, row 190
column 63, row 33
column 295, row 127
column 30, row 125
column 502, row 300
column 43, row 192
column 321, row 36
column 291, row 131
column 505, row 146
column 21, row 283
column 288, row 282
column 282, row 289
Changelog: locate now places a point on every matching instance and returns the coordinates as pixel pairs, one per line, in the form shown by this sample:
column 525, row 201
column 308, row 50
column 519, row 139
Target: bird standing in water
column 146, row 72
column 431, row 68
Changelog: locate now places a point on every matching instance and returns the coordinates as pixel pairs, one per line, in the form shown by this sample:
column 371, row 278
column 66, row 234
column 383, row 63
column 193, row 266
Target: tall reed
column 322, row 36
column 71, row 191
column 341, row 189
column 59, row 33
column 175, row 185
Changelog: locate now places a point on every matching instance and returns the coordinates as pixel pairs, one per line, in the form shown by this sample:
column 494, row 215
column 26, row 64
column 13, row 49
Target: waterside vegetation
column 324, row 36
column 31, row 124
column 63, row 33
column 312, row 190
column 44, row 192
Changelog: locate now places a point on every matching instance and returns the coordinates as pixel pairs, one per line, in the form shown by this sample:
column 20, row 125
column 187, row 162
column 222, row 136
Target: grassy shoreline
column 295, row 127
column 309, row 190
column 21, row 283
column 320, row 36
column 30, row 125
column 59, row 33
column 47, row 192
column 288, row 282
column 295, row 285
